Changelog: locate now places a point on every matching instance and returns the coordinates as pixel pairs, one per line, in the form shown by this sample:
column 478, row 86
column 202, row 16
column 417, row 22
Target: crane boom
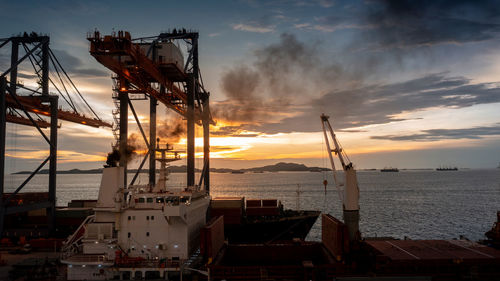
column 336, row 181
column 350, row 196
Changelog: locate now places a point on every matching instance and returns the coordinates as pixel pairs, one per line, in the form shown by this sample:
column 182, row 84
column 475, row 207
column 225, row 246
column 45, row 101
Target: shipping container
column 212, row 238
column 335, row 236
column 269, row 202
column 254, row 203
column 228, row 202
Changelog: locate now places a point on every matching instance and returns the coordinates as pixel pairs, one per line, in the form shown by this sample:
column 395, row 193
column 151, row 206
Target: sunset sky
column 408, row 84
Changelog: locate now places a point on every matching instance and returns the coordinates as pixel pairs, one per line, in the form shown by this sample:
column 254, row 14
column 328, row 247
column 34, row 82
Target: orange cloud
column 63, row 156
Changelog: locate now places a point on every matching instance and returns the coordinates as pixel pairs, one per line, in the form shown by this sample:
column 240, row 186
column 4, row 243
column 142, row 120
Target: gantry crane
column 140, row 70
column 349, row 196
column 25, row 105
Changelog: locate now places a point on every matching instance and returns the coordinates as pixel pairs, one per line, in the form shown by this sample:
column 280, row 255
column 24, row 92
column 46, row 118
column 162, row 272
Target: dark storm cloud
column 407, row 23
column 378, row 104
column 439, row 134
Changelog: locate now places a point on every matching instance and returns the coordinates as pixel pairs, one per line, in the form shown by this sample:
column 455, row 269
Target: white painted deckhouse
column 137, row 232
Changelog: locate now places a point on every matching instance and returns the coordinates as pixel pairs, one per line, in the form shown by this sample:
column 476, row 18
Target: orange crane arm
column 126, row 59
column 34, row 104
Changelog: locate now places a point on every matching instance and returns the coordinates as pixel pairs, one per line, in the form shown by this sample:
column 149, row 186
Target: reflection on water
column 417, row 204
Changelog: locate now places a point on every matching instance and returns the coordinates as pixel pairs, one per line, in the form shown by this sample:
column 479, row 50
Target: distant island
column 279, row 167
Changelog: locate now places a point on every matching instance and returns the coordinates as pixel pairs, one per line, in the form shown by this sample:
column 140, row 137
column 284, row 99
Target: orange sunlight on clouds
column 63, row 156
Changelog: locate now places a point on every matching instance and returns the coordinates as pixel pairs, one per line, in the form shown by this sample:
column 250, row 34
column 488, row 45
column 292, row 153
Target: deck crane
column 350, row 195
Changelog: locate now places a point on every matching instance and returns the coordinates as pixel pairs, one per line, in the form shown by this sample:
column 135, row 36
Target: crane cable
column 31, row 58
column 74, row 87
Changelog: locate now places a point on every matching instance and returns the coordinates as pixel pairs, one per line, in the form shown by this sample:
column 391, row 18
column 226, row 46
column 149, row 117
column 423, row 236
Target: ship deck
column 434, row 250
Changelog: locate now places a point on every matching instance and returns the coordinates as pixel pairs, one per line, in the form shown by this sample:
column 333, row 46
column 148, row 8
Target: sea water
column 418, row 204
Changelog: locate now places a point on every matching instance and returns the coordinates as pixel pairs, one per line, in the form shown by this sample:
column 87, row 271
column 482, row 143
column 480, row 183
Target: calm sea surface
column 417, row 204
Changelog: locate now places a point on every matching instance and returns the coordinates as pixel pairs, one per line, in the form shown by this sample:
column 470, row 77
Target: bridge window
column 172, row 200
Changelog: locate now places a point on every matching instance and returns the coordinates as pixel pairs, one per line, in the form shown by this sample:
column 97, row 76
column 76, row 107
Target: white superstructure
column 164, row 53
column 137, row 232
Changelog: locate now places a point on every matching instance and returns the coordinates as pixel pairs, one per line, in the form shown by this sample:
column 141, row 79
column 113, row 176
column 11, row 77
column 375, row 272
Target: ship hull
column 274, row 229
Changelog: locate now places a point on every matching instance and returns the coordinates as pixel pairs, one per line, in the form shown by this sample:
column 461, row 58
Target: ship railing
column 73, row 249
column 77, row 235
column 152, row 264
column 88, row 258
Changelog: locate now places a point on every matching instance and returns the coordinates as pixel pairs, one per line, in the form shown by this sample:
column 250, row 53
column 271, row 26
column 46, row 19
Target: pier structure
column 55, row 97
column 153, row 68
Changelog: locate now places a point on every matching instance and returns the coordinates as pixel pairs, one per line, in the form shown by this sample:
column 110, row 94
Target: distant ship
column 390, row 169
column 315, row 170
column 447, row 169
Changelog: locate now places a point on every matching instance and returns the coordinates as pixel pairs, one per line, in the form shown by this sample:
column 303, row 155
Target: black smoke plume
column 256, row 92
column 282, row 79
column 113, row 158
column 172, row 129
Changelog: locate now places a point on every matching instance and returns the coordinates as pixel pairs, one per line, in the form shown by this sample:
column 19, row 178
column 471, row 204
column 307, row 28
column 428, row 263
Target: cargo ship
column 447, row 169
column 137, row 231
column 249, row 221
column 144, row 231
column 344, row 254
column 389, row 169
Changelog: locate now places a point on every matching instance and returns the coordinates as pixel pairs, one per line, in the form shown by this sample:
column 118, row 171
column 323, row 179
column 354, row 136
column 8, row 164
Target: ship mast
column 350, row 196
column 164, row 160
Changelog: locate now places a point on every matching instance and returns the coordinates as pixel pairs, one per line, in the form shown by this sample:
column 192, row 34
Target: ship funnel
column 112, row 180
